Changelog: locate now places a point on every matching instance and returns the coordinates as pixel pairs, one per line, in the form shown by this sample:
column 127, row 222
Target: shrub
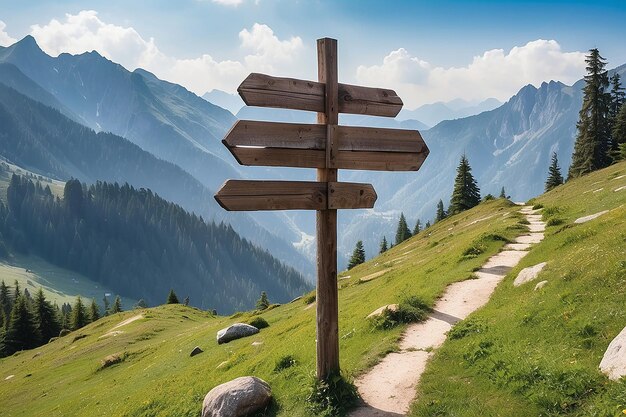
column 410, row 310
column 554, row 221
column 284, row 362
column 466, row 327
column 537, row 206
column 309, row 299
column 333, row 396
column 259, row 323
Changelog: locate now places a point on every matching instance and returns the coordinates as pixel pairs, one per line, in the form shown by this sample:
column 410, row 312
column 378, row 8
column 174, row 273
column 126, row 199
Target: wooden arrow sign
column 304, row 146
column 245, row 195
column 288, row 93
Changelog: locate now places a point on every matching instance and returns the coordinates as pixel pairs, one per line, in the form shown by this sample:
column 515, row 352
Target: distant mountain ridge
column 162, row 118
column 434, row 113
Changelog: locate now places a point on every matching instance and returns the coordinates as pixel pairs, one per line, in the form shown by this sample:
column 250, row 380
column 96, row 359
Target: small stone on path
column 590, row 217
column 237, row 398
column 528, row 274
column 613, row 362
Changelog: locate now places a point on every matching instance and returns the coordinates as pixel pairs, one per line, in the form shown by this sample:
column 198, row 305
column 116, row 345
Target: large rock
column 528, row 274
column 197, row 350
column 235, row 331
column 379, row 311
column 613, row 362
column 237, row 398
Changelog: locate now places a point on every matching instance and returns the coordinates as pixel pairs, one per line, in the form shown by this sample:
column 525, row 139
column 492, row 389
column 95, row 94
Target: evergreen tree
column 383, row 245
column 502, row 193
column 94, row 310
column 427, row 225
column 417, row 228
column 5, row 302
column 441, row 212
column 117, row 305
column 46, row 318
column 618, row 97
column 263, row 302
column 402, row 232
column 591, row 150
column 554, row 174
column 186, row 302
column 79, row 316
column 358, row 256
column 16, row 291
column 172, row 298
column 22, row 332
column 466, row 193
column 619, row 132
column 141, row 304
column 107, row 307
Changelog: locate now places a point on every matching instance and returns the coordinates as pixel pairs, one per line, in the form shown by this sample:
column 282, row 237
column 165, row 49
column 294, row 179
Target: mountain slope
column 157, row 377
column 141, row 246
column 435, row 113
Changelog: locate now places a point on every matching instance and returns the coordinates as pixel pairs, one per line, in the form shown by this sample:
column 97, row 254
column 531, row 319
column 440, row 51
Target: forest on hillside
column 140, row 245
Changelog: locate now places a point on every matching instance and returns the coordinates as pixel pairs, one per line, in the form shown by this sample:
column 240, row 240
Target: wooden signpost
column 327, row 147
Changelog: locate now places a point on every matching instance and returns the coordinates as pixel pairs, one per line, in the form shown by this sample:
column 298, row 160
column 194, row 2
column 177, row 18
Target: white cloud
column 5, row 39
column 493, row 74
column 234, row 3
column 85, row 31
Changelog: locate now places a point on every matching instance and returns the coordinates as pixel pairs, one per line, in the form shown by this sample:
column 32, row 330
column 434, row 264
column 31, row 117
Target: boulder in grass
column 196, row 351
column 613, row 362
column 237, row 398
column 379, row 311
column 235, row 331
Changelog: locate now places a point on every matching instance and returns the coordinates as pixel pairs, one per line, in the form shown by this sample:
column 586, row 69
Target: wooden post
column 326, row 221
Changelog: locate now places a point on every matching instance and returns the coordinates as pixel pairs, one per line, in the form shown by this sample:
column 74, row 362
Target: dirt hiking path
column 389, row 388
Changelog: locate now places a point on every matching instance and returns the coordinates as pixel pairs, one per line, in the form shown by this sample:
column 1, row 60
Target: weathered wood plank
column 348, row 195
column 327, row 312
column 246, row 195
column 315, row 136
column 290, row 93
column 249, row 195
column 276, row 135
column 381, row 161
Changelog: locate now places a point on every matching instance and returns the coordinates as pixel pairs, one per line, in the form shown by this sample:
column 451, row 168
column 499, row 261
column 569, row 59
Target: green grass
column 536, row 353
column 7, row 169
column 59, row 285
column 158, row 378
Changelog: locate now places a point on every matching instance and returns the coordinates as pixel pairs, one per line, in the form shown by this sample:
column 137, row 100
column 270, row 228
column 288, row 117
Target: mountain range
column 508, row 146
column 434, row 113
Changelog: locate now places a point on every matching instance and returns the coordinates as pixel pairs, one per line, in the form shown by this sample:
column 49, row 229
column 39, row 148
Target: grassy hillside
column 158, row 378
column 536, row 353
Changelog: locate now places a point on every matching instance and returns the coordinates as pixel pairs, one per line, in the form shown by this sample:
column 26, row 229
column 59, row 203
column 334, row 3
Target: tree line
column 139, row 245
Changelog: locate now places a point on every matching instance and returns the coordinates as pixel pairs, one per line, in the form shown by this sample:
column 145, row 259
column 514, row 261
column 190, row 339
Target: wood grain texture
column 251, row 195
column 327, row 314
column 247, row 195
column 290, row 93
column 314, row 136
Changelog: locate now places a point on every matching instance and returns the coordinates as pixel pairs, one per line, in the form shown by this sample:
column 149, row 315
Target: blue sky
column 428, row 51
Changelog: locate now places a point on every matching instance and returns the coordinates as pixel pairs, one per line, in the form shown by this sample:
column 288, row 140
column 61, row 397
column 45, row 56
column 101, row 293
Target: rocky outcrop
column 235, row 331
column 237, row 398
column 528, row 274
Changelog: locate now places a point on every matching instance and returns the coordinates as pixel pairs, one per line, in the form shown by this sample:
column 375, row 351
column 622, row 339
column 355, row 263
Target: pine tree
column 117, row 305
column 466, row 193
column 441, row 212
column 618, row 98
column 94, row 311
column 79, row 316
column 619, row 133
column 427, row 225
column 383, row 245
column 172, row 298
column 263, row 302
column 5, row 301
column 46, row 319
column 21, row 333
column 141, row 304
column 16, row 291
column 358, row 256
column 402, row 232
column 554, row 174
column 107, row 307
column 186, row 302
column 593, row 138
column 417, row 228
column 502, row 193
